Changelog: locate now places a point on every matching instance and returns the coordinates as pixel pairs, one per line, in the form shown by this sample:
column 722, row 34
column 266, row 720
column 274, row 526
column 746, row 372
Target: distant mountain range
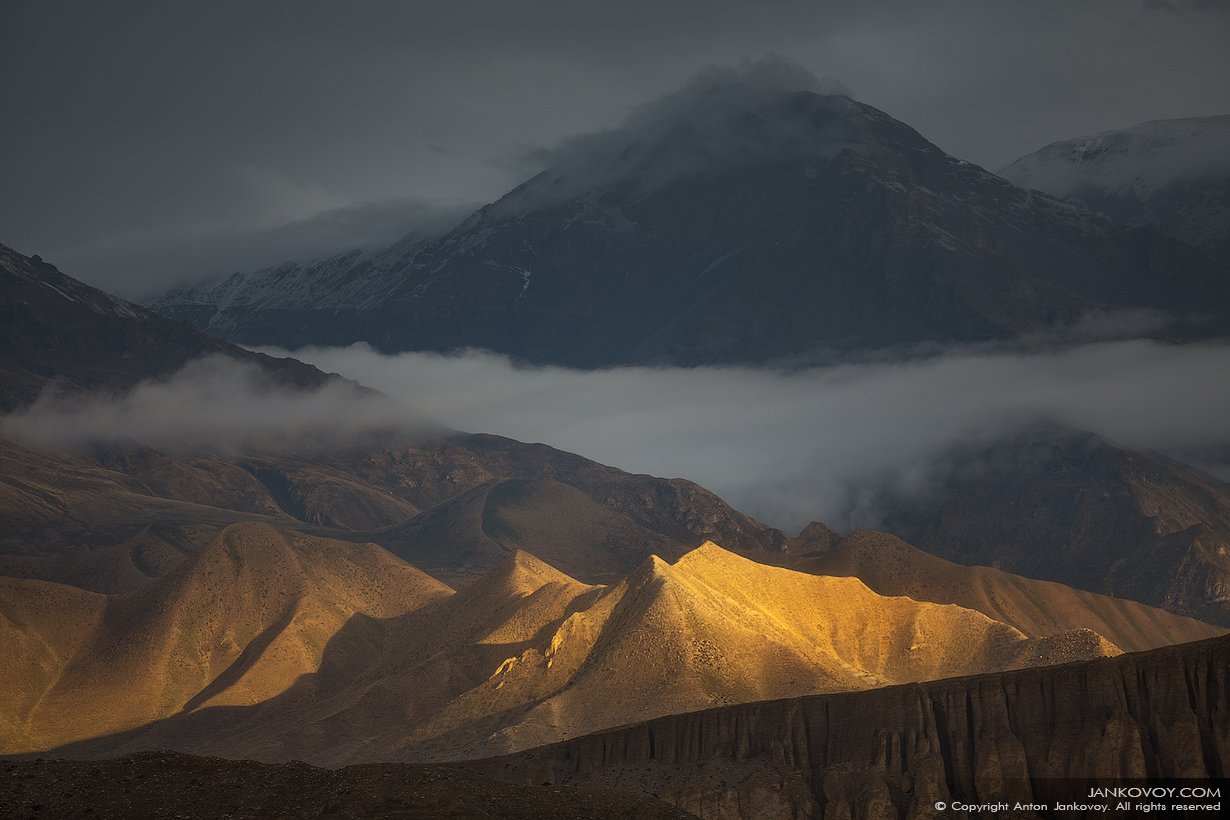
column 1171, row 174
column 800, row 224
column 260, row 603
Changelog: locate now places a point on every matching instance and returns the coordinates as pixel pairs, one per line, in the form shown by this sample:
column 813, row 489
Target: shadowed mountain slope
column 455, row 504
column 1071, row 507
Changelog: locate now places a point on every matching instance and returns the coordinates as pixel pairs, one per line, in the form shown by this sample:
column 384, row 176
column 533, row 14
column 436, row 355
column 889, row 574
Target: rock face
column 833, row 227
column 1071, row 507
column 1172, row 174
column 895, row 752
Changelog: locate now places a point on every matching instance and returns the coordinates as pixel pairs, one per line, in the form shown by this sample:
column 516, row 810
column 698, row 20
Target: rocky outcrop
column 895, row 752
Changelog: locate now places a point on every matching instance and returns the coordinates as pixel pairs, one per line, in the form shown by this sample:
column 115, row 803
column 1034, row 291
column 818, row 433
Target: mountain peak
column 710, row 554
column 1171, row 175
column 707, row 128
column 734, row 222
column 520, row 574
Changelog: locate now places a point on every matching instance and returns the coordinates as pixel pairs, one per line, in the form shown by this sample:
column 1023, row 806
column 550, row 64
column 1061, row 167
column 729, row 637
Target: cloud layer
column 215, row 404
column 790, row 447
column 786, row 447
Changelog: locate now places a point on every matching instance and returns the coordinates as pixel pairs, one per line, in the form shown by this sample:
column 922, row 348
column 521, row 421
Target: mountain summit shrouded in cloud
column 723, row 117
column 741, row 220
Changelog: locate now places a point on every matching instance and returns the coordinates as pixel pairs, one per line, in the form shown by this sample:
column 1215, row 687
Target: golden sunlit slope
column 716, row 628
column 527, row 655
column 42, row 626
column 890, row 566
column 237, row 623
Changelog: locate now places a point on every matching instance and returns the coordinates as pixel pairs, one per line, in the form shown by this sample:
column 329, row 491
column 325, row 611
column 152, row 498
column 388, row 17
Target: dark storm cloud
column 157, row 119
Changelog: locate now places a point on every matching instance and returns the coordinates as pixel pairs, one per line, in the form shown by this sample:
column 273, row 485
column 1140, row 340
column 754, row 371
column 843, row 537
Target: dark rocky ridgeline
column 56, row 329
column 171, row 785
column 895, row 752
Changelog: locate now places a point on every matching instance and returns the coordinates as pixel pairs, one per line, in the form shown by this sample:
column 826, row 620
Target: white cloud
column 212, row 404
column 785, row 446
column 790, row 447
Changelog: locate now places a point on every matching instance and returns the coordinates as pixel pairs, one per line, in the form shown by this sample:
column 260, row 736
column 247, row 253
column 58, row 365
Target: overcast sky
column 146, row 143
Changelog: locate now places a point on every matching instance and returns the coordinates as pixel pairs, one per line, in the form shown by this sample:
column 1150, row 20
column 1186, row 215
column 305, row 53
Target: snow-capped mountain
column 727, row 223
column 1174, row 174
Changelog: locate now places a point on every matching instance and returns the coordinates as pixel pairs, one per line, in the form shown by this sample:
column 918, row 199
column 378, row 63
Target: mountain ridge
column 526, row 655
column 861, row 235
column 1171, row 174
column 56, row 330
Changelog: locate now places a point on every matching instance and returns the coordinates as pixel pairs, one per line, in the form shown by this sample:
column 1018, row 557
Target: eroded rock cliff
column 895, row 752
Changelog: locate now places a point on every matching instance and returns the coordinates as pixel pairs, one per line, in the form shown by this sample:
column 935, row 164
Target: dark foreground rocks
column 155, row 785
